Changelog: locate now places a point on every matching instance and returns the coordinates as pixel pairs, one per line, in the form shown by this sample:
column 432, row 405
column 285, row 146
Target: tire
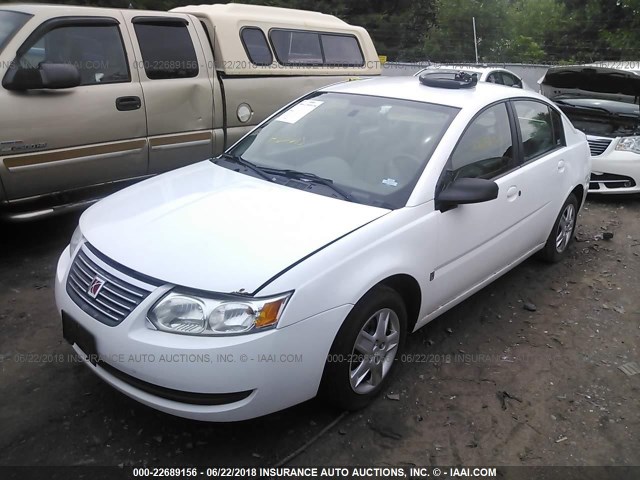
column 562, row 232
column 363, row 355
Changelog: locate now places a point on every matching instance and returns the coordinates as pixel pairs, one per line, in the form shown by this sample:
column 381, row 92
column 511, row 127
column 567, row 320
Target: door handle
column 512, row 193
column 561, row 166
column 128, row 103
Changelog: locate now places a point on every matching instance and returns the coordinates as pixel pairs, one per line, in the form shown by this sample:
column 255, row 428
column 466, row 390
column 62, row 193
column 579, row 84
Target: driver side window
column 96, row 51
column 485, row 149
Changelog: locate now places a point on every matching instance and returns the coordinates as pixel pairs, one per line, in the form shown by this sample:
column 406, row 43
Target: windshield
column 10, row 23
column 371, row 148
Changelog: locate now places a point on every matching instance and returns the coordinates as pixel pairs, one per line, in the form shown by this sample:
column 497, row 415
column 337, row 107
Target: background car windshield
column 10, row 23
column 373, row 148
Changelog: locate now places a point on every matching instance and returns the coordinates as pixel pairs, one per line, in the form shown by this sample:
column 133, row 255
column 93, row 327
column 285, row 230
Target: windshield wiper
column 309, row 177
column 246, row 163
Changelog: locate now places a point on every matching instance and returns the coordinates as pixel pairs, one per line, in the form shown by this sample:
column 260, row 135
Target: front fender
column 401, row 242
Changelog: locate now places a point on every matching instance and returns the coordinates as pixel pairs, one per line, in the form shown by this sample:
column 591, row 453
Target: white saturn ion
column 296, row 263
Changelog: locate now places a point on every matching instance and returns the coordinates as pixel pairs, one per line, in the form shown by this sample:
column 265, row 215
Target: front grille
column 611, row 181
column 598, row 146
column 115, row 298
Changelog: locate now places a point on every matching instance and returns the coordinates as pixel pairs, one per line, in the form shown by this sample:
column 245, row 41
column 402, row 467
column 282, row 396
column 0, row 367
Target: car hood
column 591, row 82
column 210, row 228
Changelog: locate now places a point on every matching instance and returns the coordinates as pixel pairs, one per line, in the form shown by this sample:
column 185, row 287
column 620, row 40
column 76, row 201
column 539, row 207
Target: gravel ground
column 523, row 373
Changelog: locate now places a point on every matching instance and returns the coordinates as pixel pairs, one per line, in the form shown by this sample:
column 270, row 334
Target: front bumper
column 615, row 172
column 203, row 378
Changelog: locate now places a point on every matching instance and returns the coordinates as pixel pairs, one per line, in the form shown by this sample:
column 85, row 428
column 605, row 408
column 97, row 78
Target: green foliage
column 442, row 30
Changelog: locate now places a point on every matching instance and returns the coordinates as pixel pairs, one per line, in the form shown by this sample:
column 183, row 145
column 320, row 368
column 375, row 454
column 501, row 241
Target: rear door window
column 536, row 128
column 166, row 47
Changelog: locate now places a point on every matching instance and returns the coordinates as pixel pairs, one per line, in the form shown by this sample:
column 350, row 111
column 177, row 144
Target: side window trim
column 554, row 119
column 150, row 20
column 59, row 22
column 516, row 134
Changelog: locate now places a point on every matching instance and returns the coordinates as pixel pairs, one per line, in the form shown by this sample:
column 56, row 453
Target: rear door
column 177, row 88
column 546, row 175
column 58, row 140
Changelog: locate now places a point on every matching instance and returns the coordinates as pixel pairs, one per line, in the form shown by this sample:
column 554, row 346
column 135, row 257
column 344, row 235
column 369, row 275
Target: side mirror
column 467, row 190
column 46, row 76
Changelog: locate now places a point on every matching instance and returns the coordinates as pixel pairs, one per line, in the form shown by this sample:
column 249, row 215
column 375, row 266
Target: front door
column 59, row 140
column 478, row 240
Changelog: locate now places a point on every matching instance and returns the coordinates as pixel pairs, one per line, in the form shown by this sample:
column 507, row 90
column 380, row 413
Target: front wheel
column 364, row 352
column 562, row 232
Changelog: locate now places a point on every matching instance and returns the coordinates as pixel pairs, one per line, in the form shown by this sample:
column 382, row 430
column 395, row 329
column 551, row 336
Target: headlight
column 227, row 315
column 629, row 144
column 76, row 239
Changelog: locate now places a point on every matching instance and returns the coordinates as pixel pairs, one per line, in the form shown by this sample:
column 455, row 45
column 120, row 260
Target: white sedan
column 601, row 100
column 501, row 76
column 297, row 262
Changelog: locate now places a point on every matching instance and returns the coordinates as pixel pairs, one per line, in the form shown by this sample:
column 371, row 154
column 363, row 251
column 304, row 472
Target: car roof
column 410, row 88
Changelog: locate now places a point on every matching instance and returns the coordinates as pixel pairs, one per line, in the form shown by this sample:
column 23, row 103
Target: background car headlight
column 76, row 239
column 629, row 144
column 194, row 315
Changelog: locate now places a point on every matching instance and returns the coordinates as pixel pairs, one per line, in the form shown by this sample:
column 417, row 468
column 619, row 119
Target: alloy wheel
column 565, row 227
column 374, row 351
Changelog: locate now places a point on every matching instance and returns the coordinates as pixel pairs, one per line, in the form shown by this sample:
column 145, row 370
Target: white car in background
column 297, row 262
column 603, row 101
column 501, row 76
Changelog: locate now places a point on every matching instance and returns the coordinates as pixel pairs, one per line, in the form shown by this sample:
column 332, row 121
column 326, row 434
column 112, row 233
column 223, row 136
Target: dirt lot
column 489, row 383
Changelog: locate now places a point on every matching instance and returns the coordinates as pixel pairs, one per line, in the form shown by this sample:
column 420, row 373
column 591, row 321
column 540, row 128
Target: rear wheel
column 364, row 353
column 562, row 232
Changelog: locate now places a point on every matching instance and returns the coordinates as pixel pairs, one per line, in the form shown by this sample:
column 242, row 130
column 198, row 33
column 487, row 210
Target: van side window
column 256, row 46
column 96, row 51
column 167, row 49
column 341, row 50
column 535, row 127
column 294, row 47
column 485, row 149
